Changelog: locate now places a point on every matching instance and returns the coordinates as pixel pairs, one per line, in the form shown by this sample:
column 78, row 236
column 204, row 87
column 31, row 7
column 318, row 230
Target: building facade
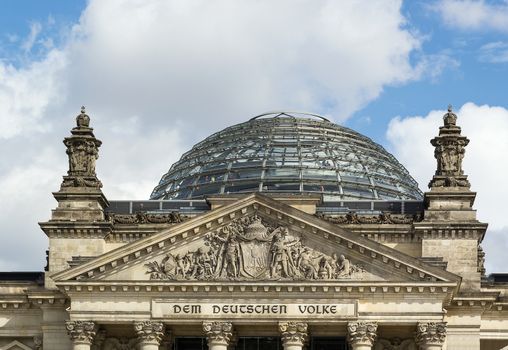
column 283, row 232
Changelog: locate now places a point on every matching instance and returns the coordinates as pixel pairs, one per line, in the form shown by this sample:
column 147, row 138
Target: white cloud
column 484, row 162
column 473, row 14
column 494, row 52
column 159, row 75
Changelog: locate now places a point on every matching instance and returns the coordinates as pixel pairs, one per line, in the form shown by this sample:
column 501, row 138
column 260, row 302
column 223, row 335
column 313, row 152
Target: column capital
column 81, row 332
column 430, row 333
column 149, row 332
column 218, row 332
column 293, row 333
column 361, row 333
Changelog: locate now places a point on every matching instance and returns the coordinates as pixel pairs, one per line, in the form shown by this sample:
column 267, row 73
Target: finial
column 450, row 118
column 83, row 120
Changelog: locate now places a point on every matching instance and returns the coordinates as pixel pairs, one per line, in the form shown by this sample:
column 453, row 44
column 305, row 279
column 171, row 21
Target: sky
column 158, row 76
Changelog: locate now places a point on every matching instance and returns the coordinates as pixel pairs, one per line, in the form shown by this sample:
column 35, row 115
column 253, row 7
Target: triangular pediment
column 256, row 239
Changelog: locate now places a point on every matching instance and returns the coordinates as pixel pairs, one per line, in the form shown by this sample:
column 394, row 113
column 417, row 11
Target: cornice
column 351, row 289
column 76, row 229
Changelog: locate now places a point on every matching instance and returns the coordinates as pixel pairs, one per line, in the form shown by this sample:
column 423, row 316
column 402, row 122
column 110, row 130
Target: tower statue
column 83, row 151
column 449, row 152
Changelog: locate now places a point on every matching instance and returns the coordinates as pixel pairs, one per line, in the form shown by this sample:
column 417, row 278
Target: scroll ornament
column 81, row 331
column 293, row 332
column 362, row 332
column 428, row 333
column 247, row 249
column 149, row 332
column 383, row 218
column 146, row 218
column 218, row 332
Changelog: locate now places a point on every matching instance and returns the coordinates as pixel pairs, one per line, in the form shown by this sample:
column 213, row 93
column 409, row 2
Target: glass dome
column 286, row 152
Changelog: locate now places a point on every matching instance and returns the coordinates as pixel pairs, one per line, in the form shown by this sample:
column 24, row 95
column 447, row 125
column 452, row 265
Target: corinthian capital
column 430, row 333
column 293, row 332
column 218, row 332
column 81, row 332
column 149, row 332
column 361, row 333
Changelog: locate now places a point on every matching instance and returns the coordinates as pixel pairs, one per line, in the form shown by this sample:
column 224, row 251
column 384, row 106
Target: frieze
column 146, row 218
column 248, row 249
column 383, row 218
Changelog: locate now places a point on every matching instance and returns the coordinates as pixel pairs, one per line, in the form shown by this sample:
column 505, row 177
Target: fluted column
column 294, row 334
column 430, row 335
column 82, row 333
column 149, row 334
column 361, row 335
column 218, row 334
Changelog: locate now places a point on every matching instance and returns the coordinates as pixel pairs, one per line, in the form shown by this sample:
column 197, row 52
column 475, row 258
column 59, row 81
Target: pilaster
column 294, row 334
column 149, row 334
column 82, row 334
column 361, row 335
column 430, row 335
column 218, row 334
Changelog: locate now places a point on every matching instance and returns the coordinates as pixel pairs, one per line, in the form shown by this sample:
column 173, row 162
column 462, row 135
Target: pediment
column 255, row 239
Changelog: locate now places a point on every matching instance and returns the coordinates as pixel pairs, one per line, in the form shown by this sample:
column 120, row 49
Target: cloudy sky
column 159, row 75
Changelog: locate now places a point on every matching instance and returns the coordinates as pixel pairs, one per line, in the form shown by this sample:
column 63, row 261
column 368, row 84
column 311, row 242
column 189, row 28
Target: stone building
column 283, row 232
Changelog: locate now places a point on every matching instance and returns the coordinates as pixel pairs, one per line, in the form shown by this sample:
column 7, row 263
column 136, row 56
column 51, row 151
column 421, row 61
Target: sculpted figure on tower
column 449, row 153
column 83, row 151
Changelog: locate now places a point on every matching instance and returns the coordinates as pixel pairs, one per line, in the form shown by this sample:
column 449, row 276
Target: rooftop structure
column 288, row 152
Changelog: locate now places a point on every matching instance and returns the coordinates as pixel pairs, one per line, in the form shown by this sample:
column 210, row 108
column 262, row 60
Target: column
column 149, row 334
column 361, row 335
column 81, row 333
column 294, row 335
column 218, row 334
column 430, row 335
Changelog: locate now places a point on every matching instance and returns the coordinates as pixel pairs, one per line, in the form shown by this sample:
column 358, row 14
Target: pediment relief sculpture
column 249, row 249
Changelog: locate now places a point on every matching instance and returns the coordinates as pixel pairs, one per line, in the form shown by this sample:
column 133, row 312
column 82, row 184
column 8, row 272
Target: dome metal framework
column 288, row 152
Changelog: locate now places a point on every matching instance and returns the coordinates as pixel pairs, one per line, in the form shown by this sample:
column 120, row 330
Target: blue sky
column 159, row 75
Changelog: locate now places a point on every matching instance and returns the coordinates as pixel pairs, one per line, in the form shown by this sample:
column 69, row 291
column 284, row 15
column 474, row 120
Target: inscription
column 168, row 309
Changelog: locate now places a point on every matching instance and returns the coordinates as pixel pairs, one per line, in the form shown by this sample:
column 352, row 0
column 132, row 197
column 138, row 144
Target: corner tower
column 77, row 226
column 450, row 228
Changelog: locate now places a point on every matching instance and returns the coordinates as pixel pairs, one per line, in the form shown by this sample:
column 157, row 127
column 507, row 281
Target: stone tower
column 77, row 226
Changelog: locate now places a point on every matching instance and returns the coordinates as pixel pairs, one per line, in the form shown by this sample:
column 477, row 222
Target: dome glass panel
column 286, row 152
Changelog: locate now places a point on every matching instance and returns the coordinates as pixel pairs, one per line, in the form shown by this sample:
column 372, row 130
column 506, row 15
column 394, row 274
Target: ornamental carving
column 449, row 152
column 383, row 218
column 82, row 151
column 146, row 218
column 218, row 332
column 293, row 332
column 248, row 249
column 395, row 344
column 430, row 333
column 149, row 331
column 362, row 333
column 81, row 331
column 37, row 343
column 121, row 343
column 481, row 260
